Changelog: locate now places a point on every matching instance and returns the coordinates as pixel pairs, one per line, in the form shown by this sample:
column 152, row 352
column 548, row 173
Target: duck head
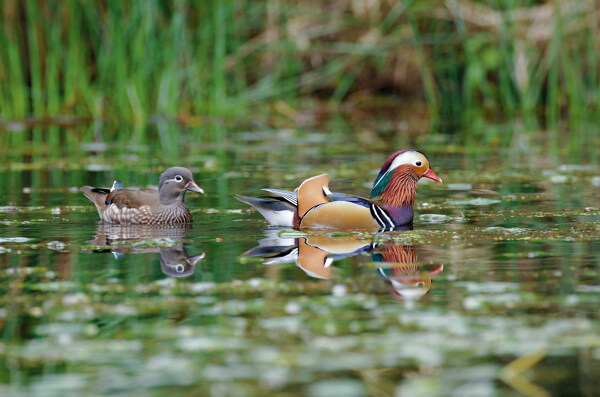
column 396, row 183
column 173, row 184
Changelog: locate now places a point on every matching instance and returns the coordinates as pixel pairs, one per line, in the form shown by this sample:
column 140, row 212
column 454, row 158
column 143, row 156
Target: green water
column 495, row 292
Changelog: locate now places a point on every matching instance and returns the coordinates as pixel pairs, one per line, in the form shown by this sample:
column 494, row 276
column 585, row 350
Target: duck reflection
column 396, row 264
column 175, row 261
column 138, row 239
column 313, row 254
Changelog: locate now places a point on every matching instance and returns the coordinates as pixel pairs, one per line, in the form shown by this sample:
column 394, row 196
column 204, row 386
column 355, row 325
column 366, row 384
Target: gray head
column 174, row 182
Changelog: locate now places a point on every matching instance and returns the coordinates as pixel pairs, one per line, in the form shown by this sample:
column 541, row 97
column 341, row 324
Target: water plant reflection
column 166, row 240
column 396, row 264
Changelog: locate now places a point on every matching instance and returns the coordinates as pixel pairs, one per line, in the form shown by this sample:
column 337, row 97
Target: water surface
column 495, row 292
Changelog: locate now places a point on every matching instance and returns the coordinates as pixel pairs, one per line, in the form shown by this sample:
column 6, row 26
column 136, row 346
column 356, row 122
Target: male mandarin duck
column 312, row 205
column 143, row 207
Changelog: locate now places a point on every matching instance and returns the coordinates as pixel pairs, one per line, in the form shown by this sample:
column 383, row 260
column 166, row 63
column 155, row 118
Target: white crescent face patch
column 413, row 158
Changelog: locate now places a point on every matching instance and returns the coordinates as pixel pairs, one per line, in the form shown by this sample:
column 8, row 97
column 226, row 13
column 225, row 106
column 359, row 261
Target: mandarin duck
column 313, row 205
column 143, row 207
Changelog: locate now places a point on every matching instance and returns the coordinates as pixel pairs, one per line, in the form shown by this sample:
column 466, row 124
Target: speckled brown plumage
column 146, row 214
column 146, row 207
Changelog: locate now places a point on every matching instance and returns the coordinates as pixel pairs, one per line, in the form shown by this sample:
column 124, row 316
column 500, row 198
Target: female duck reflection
column 140, row 239
column 395, row 264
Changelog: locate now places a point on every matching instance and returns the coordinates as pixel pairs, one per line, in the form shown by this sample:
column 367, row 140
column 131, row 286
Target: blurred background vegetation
column 477, row 70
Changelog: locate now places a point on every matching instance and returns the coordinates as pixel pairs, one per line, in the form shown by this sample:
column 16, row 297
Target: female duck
column 145, row 207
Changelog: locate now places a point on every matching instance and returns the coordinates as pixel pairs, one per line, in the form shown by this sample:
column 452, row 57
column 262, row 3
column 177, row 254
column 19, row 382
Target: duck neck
column 400, row 189
column 398, row 196
column 166, row 198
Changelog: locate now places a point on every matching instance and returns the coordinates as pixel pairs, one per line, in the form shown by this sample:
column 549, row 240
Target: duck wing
column 286, row 195
column 126, row 198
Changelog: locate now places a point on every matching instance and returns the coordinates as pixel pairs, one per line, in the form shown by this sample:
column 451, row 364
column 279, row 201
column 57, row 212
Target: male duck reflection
column 143, row 207
column 315, row 254
column 312, row 205
column 144, row 239
column 397, row 266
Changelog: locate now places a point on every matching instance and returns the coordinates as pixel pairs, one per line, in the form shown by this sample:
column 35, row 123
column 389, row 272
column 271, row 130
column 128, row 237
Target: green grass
column 473, row 63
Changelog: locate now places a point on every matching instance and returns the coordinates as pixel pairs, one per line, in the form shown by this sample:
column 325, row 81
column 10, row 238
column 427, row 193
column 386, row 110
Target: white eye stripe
column 406, row 158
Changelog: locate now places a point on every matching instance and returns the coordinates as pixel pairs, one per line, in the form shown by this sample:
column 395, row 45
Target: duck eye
column 178, row 178
column 418, row 163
